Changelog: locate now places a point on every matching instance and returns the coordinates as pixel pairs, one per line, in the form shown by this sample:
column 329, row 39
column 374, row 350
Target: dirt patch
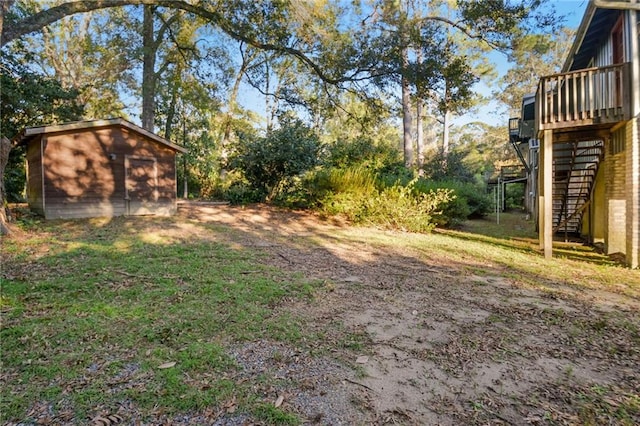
column 444, row 346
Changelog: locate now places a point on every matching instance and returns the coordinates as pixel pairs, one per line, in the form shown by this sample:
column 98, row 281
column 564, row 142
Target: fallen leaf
column 279, row 401
column 166, row 365
column 362, row 359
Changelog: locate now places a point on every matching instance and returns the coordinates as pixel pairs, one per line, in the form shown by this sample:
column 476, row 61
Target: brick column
column 633, row 192
column 545, row 186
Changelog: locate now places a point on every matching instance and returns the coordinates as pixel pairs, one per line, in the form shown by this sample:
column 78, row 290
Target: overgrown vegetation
column 362, row 180
column 268, row 163
column 28, row 99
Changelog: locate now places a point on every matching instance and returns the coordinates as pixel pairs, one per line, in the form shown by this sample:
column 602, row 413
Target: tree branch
column 42, row 19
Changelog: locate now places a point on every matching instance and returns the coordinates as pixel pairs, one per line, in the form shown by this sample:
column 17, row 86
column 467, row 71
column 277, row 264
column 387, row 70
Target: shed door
column 141, row 184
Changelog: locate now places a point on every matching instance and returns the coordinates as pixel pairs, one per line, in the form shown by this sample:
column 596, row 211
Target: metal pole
column 495, row 200
column 498, row 203
column 185, row 186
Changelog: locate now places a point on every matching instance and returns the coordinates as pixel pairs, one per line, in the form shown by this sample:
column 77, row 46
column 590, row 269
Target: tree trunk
column 419, row 124
column 233, row 102
column 445, row 133
column 420, row 135
column 171, row 113
column 148, row 70
column 406, row 112
column 3, row 11
column 446, row 119
column 5, row 147
column 445, row 137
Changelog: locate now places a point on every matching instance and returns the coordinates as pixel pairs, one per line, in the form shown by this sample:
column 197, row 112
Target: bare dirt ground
column 439, row 344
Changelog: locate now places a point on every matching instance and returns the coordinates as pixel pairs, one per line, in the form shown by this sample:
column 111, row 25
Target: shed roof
column 27, row 134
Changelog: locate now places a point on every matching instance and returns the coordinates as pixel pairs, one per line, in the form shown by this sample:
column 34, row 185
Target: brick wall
column 616, row 196
column 632, row 169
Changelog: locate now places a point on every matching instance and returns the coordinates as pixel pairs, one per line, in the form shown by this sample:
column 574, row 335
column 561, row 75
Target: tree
column 448, row 40
column 330, row 45
column 267, row 162
column 26, row 99
column 87, row 54
column 533, row 56
column 272, row 26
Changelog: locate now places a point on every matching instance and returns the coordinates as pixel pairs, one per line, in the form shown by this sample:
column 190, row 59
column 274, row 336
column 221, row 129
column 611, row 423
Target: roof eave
column 30, row 132
column 580, row 34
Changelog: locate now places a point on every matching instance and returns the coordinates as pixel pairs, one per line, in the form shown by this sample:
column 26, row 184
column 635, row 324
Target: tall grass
column 354, row 193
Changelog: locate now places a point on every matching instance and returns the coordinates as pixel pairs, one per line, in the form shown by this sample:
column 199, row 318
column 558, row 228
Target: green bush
column 234, row 188
column 328, row 189
column 400, row 207
column 448, row 168
column 269, row 162
column 514, row 196
column 367, row 153
column 353, row 193
column 341, row 191
column 471, row 201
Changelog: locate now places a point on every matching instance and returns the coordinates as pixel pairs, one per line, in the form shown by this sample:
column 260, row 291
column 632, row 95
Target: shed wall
column 85, row 173
column 34, row 176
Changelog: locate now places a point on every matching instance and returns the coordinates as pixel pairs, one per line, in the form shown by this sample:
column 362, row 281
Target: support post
column 541, row 173
column 633, row 153
column 547, row 204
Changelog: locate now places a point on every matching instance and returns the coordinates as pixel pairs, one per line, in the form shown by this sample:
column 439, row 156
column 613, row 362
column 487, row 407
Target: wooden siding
column 34, row 176
column 85, row 173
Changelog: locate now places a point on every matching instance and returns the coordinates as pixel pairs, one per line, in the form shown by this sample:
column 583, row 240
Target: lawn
column 225, row 315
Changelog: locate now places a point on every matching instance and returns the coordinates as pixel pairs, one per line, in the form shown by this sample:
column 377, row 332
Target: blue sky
column 496, row 114
column 493, row 113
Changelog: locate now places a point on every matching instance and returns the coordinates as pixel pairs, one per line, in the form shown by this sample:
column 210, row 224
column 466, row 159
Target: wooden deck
column 588, row 97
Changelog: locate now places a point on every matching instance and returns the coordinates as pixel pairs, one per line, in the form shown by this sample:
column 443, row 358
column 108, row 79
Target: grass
column 86, row 306
column 483, row 247
column 92, row 309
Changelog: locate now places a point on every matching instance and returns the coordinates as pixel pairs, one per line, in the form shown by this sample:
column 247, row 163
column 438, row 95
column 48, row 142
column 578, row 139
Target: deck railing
column 514, row 128
column 584, row 97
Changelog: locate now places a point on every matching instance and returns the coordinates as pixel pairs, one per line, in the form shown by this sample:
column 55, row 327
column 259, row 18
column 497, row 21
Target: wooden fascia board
column 580, row 34
column 153, row 136
column 83, row 125
column 621, row 5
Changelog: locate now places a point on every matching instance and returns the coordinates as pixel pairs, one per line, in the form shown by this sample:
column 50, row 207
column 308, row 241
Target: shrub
column 352, row 192
column 341, row 191
column 268, row 162
column 362, row 152
column 453, row 169
column 400, row 207
column 328, row 189
column 514, row 196
column 470, row 201
column 243, row 193
column 235, row 189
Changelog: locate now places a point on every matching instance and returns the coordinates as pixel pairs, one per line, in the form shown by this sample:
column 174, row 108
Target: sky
column 496, row 114
column 492, row 113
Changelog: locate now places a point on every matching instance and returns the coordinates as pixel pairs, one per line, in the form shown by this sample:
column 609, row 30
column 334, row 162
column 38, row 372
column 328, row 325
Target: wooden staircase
column 574, row 172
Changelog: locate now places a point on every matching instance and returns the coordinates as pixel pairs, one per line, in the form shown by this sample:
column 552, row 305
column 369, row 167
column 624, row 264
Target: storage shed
column 99, row 168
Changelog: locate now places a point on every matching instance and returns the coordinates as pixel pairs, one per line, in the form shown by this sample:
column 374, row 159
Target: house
column 99, row 168
column 584, row 152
